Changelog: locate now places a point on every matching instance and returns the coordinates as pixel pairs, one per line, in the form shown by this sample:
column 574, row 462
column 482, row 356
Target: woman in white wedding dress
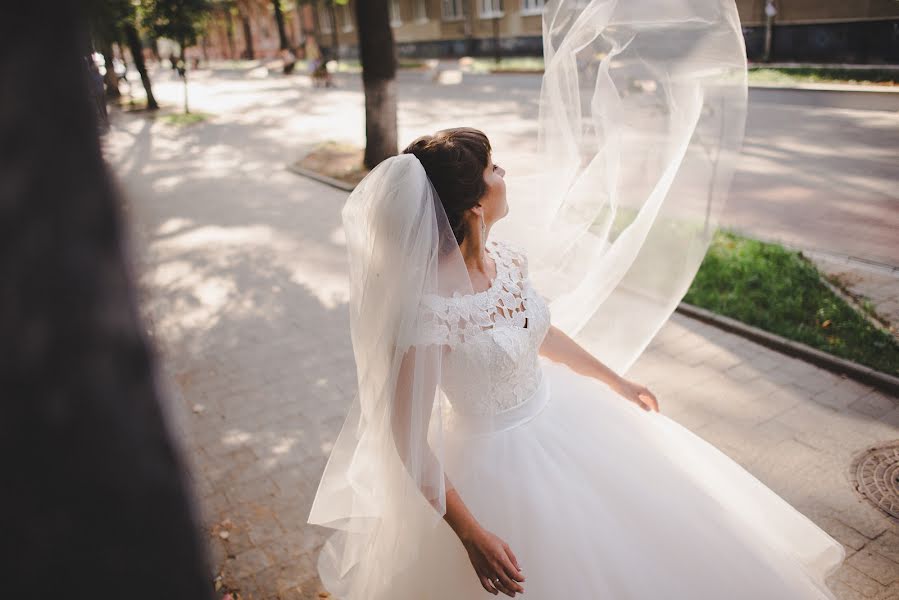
column 564, row 479
column 486, row 451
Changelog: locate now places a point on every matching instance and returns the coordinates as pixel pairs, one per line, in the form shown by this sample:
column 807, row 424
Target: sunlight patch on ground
column 173, row 225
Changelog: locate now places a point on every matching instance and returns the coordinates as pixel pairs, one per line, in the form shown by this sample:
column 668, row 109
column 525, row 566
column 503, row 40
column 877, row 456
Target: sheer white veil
column 384, row 483
column 642, row 111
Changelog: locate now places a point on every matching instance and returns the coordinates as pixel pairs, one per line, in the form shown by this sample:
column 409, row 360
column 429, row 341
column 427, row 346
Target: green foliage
column 778, row 290
column 106, row 17
column 178, row 20
column 788, row 75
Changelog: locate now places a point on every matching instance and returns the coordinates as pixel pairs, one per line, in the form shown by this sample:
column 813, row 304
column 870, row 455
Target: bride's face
column 494, row 200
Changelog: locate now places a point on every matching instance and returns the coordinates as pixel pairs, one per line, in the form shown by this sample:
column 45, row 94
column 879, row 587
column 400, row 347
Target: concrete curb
column 341, row 185
column 828, row 87
column 867, row 375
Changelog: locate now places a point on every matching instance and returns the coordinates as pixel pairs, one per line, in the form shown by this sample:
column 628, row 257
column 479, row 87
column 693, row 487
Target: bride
column 486, row 451
column 554, row 477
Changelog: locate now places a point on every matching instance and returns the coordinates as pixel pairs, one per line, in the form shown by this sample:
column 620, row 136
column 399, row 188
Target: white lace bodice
column 493, row 336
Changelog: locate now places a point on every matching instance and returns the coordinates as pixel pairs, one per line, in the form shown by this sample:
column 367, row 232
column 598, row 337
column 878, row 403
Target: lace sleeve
column 433, row 322
column 514, row 256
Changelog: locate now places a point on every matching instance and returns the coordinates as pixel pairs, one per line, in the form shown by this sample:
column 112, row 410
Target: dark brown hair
column 454, row 160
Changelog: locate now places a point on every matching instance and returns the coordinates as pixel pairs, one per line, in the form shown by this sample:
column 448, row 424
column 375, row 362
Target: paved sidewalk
column 243, row 280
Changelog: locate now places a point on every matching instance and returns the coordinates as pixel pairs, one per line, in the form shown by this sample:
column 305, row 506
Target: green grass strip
column 781, row 291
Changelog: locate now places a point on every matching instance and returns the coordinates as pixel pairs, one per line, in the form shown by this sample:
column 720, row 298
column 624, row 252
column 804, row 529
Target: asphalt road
column 819, row 169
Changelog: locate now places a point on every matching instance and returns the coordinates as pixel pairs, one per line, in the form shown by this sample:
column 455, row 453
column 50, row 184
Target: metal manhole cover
column 876, row 473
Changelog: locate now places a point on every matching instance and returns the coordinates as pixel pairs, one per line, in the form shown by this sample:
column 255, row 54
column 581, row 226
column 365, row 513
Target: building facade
column 821, row 31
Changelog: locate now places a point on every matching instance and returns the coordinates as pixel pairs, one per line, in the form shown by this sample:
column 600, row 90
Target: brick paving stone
column 247, row 564
column 891, row 593
column 858, row 581
column 846, row 535
column 874, row 404
column 875, row 566
column 887, row 545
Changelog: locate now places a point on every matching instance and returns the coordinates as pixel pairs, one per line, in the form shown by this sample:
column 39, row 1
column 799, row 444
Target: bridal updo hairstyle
column 454, row 160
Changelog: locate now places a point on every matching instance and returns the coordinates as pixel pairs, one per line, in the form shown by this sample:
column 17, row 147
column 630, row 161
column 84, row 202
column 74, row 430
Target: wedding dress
column 598, row 498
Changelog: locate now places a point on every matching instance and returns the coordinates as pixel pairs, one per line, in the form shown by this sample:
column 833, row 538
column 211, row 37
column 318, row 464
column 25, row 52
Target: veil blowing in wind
column 642, row 113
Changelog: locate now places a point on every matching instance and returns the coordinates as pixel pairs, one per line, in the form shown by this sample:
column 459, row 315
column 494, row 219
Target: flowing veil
column 642, row 111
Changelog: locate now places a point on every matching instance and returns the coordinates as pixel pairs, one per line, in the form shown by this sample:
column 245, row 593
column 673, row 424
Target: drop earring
column 483, row 226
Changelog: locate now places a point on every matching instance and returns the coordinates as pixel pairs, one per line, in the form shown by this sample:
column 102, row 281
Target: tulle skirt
column 602, row 500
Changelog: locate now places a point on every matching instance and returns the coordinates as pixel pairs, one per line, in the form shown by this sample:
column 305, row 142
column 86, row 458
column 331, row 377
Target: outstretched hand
column 636, row 393
column 495, row 564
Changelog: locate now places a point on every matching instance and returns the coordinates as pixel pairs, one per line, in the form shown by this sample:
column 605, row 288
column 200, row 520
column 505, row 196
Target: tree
column 378, row 55
column 104, row 19
column 332, row 14
column 223, row 11
column 137, row 55
column 110, row 21
column 95, row 500
column 243, row 9
column 178, row 20
column 279, row 21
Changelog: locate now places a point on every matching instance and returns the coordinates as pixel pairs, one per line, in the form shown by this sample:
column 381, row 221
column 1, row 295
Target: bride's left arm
column 557, row 346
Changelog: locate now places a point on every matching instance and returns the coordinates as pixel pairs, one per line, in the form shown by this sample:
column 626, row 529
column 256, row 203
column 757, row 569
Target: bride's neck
column 473, row 248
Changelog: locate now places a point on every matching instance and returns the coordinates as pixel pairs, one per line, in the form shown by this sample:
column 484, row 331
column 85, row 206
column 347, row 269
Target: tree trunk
column 279, row 21
column 335, row 41
column 468, row 14
column 229, row 30
column 249, row 54
column 378, row 55
column 95, row 499
column 183, row 72
column 111, row 79
column 496, row 49
column 137, row 54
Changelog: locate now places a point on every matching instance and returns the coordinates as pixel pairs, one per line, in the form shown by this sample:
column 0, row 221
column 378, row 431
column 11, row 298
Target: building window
column 491, row 9
column 452, row 10
column 395, row 16
column 532, row 7
column 324, row 18
column 421, row 11
column 346, row 17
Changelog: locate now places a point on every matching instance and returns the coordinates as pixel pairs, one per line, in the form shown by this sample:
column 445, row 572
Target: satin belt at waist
column 473, row 424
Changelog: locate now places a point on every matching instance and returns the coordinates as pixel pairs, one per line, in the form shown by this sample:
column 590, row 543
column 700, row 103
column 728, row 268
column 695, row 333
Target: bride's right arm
column 490, row 556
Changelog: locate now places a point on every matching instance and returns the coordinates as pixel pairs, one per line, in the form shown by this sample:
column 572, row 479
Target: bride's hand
column 494, row 562
column 637, row 394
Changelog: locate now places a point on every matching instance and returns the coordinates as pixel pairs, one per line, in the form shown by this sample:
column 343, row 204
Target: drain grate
column 876, row 473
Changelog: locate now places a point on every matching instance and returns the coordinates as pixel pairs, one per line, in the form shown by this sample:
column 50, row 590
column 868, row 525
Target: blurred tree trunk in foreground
column 378, row 56
column 95, row 503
